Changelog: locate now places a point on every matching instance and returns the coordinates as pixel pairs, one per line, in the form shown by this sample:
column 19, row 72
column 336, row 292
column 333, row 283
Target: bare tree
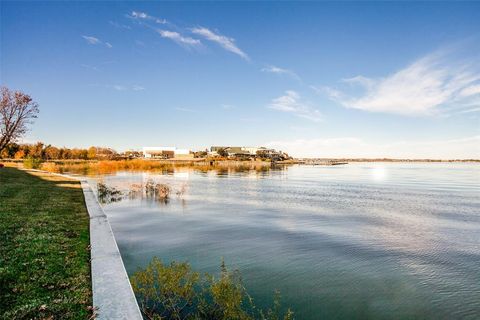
column 17, row 111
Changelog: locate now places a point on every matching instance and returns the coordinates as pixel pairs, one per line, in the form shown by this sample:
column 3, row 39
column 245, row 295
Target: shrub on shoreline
column 177, row 292
column 50, row 167
column 32, row 163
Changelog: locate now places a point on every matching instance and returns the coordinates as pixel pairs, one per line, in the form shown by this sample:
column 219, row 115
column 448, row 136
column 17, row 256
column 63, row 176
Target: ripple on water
column 339, row 242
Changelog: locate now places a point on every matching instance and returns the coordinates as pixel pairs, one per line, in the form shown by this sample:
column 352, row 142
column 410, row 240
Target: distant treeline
column 48, row 152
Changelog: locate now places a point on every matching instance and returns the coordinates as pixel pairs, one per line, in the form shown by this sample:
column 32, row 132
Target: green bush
column 32, row 163
column 176, row 292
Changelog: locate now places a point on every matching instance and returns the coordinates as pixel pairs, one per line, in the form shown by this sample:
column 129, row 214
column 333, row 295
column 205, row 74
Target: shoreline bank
column 110, row 292
column 44, row 247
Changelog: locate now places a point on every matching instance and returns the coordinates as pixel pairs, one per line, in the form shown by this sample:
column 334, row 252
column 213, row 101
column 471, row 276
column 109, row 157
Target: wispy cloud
column 475, row 109
column 225, row 42
column 178, row 38
column 291, row 102
column 141, row 15
column 87, row 66
column 280, row 71
column 120, row 87
column 353, row 147
column 470, row 91
column 145, row 16
column 146, row 20
column 430, row 85
column 91, row 40
column 177, row 34
column 138, row 88
column 228, row 106
column 95, row 41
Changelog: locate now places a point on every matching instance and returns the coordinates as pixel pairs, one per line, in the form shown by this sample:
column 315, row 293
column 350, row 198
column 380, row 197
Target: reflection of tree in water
column 159, row 192
column 108, row 194
column 183, row 189
column 136, row 191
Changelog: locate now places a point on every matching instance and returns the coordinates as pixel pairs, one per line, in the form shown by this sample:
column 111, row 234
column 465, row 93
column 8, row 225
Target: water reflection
column 376, row 241
column 150, row 190
column 379, row 173
column 165, row 167
column 108, row 194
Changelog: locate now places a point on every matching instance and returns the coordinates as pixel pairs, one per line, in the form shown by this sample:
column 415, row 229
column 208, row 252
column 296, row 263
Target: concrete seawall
column 112, row 293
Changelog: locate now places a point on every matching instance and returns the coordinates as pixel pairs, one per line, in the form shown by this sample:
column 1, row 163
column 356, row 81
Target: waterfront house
column 166, row 153
column 235, row 151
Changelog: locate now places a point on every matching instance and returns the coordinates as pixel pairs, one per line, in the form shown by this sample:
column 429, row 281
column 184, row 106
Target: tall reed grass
column 110, row 166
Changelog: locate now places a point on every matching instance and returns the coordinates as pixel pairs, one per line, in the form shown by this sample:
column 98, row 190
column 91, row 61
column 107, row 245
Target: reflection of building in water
column 167, row 153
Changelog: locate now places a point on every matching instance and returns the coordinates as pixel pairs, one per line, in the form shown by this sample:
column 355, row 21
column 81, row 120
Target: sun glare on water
column 379, row 173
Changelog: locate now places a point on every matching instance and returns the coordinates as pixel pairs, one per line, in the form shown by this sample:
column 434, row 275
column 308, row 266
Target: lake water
column 361, row 241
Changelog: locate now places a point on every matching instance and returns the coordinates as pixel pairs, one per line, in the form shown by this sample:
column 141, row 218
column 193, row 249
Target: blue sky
column 315, row 79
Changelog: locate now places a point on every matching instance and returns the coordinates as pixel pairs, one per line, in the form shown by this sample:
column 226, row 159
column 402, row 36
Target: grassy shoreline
column 44, row 247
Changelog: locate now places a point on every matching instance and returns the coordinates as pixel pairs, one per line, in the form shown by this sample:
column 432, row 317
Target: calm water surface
column 362, row 241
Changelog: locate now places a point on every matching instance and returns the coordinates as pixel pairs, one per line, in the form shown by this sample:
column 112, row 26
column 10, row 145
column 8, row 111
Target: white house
column 251, row 150
column 166, row 152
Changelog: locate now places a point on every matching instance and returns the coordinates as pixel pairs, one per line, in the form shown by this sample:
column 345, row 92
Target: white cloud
column 428, row 86
column 121, row 87
column 141, row 15
column 225, row 42
column 178, row 38
column 175, row 36
column 360, row 80
column 91, row 40
column 470, row 91
column 351, row 147
column 145, row 16
column 291, row 102
column 94, row 41
column 280, row 71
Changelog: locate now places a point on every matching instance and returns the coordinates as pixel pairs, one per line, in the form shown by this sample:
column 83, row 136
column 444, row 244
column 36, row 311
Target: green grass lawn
column 44, row 247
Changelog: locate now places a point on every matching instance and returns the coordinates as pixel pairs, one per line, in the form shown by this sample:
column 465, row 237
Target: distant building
column 167, row 153
column 234, row 151
column 250, row 152
column 183, row 154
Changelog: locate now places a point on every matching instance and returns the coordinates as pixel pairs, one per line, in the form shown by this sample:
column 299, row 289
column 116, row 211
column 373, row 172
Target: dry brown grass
column 110, row 166
column 50, row 167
